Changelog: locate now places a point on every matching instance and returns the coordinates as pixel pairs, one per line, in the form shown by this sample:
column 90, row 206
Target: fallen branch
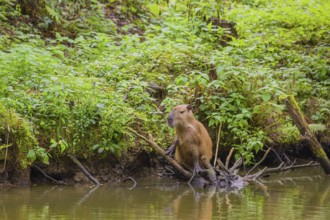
column 160, row 151
column 83, row 169
column 228, row 176
column 47, row 176
column 221, row 165
column 299, row 120
column 260, row 161
column 237, row 164
column 280, row 168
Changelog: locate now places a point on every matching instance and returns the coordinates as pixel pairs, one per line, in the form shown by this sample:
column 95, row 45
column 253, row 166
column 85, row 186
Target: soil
column 112, row 170
column 108, row 170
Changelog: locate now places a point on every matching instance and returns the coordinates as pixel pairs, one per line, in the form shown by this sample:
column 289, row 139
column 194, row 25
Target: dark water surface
column 300, row 194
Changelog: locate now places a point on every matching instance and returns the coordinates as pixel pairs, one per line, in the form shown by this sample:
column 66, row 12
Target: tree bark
column 299, row 120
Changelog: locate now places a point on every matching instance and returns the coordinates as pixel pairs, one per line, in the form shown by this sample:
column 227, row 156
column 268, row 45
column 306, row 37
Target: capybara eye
column 182, row 112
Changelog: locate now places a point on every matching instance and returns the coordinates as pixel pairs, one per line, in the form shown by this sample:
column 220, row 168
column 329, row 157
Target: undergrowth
column 75, row 79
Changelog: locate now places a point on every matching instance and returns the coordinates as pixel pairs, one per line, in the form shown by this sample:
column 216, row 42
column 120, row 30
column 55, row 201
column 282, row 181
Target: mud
column 108, row 170
column 112, row 169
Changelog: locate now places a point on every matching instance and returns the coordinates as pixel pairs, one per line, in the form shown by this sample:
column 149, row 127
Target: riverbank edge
column 110, row 169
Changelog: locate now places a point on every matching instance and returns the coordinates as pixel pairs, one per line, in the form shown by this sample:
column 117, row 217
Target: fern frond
column 53, row 14
column 317, row 127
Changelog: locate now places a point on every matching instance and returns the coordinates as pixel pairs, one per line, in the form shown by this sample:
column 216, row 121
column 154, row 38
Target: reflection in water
column 193, row 205
column 302, row 194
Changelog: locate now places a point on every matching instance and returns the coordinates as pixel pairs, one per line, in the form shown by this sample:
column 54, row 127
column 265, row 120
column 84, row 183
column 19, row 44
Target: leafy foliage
column 80, row 72
column 17, row 135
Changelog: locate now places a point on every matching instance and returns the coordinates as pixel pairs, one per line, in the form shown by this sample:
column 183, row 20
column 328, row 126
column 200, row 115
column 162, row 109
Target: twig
column 229, row 157
column 221, row 165
column 258, row 174
column 47, row 176
column 131, row 178
column 310, row 164
column 236, row 165
column 160, row 151
column 278, row 156
column 260, row 161
column 82, row 168
column 280, row 168
column 217, row 147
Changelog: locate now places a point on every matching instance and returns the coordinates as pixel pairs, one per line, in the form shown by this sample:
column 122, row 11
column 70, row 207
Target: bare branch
column 237, row 164
column 47, row 176
column 278, row 156
column 229, row 157
column 221, row 165
column 160, row 151
column 258, row 174
column 260, row 161
column 291, row 167
column 217, row 146
column 280, row 168
column 83, row 169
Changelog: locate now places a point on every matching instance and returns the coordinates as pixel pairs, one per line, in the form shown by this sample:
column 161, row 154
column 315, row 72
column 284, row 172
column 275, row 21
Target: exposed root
column 83, row 169
column 47, row 176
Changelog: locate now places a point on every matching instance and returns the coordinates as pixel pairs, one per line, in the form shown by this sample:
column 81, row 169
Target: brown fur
column 194, row 147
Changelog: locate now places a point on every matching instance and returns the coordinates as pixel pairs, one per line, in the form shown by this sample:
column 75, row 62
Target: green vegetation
column 76, row 74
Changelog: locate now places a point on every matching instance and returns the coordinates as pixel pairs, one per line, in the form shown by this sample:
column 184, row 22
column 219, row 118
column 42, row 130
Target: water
column 301, row 194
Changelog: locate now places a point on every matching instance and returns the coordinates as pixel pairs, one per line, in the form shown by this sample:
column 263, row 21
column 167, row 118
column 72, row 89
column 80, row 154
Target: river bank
column 135, row 163
column 109, row 170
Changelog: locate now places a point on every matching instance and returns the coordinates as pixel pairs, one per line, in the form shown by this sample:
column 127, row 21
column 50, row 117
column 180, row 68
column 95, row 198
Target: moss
column 16, row 135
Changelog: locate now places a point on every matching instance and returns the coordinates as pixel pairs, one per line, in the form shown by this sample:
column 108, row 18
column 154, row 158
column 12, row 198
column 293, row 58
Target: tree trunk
column 299, row 120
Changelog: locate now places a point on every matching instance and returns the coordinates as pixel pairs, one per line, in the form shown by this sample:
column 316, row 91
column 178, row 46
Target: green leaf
column 31, row 155
column 209, row 26
column 96, row 146
column 100, row 150
column 45, row 159
column 154, row 9
column 63, row 145
column 53, row 143
column 266, row 97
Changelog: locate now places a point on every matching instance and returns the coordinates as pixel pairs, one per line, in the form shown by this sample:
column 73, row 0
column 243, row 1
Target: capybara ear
column 189, row 107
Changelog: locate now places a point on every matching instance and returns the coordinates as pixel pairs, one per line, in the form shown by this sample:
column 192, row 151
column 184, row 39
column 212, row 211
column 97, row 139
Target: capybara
column 193, row 143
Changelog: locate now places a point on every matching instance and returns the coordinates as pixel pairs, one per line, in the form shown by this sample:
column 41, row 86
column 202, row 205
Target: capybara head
column 180, row 114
